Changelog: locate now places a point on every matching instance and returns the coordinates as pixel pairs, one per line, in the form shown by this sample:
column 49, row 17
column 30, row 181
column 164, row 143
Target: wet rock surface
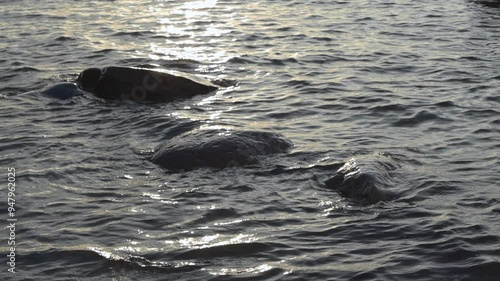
column 218, row 149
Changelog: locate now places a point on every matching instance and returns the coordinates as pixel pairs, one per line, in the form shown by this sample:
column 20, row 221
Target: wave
column 421, row 117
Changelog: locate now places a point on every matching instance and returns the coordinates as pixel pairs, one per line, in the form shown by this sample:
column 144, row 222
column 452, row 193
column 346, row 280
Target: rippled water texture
column 406, row 90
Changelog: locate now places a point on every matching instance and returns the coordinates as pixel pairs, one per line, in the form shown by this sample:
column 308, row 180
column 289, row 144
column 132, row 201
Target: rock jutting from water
column 218, row 149
column 142, row 85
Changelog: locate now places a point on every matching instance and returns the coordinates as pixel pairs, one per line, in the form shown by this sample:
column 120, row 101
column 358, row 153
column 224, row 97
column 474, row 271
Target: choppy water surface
column 410, row 89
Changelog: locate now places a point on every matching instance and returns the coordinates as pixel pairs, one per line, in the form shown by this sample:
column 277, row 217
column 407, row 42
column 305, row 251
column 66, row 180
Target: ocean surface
column 409, row 90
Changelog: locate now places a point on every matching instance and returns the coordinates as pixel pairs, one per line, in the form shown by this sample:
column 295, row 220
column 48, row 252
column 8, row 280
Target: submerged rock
column 61, row 91
column 218, row 148
column 370, row 181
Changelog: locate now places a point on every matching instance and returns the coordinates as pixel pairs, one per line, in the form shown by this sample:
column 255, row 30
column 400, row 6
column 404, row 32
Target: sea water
column 408, row 90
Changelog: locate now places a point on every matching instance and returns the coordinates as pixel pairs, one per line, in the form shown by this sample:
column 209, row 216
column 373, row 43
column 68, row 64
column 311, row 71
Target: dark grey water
column 410, row 89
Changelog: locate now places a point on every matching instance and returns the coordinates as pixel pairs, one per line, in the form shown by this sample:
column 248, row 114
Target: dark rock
column 368, row 182
column 218, row 148
column 141, row 85
column 61, row 91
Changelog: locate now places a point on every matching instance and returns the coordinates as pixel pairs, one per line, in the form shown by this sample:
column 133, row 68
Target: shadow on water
column 490, row 4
